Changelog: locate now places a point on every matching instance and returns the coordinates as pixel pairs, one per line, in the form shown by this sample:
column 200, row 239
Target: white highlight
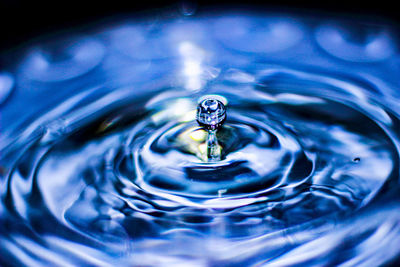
column 192, row 57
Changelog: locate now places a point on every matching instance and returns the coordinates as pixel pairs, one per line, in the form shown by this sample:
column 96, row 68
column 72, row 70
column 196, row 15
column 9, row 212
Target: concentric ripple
column 113, row 175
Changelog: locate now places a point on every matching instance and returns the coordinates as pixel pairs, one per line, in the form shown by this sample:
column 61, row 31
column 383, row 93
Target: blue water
column 103, row 162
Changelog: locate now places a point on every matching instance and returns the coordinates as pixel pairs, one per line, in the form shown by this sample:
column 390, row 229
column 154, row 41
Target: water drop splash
column 211, row 114
column 103, row 161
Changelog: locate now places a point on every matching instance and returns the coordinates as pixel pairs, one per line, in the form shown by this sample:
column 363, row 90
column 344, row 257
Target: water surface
column 102, row 161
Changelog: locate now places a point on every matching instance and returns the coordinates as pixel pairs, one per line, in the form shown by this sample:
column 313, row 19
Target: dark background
column 23, row 20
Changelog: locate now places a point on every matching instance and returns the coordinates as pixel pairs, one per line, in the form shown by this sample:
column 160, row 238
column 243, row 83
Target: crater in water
column 108, row 167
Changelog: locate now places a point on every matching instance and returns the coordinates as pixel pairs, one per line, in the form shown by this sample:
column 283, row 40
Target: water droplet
column 211, row 114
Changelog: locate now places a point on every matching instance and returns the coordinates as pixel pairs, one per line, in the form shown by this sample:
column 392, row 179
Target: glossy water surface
column 103, row 162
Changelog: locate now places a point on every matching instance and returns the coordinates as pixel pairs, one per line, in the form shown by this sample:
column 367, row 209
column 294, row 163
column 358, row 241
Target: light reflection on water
column 101, row 157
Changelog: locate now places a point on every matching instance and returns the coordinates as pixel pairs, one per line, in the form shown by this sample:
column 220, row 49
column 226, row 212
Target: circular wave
column 112, row 172
column 127, row 167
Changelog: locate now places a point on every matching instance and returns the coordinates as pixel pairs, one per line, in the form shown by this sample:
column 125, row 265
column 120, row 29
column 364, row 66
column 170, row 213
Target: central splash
column 211, row 114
